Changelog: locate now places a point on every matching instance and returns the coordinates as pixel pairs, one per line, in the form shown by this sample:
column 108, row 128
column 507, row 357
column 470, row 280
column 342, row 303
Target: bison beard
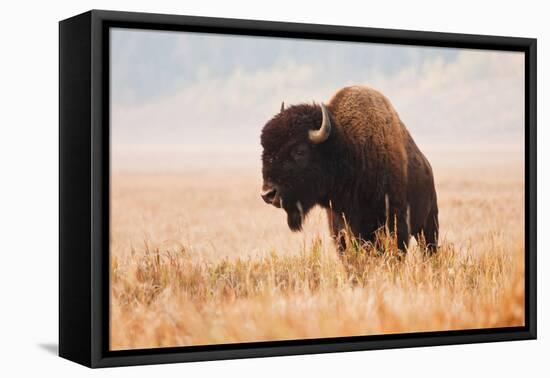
column 294, row 215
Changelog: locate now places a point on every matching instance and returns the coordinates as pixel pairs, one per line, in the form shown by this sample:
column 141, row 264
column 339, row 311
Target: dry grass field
column 198, row 258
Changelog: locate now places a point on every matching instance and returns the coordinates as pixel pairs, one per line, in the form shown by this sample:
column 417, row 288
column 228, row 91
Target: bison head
column 295, row 160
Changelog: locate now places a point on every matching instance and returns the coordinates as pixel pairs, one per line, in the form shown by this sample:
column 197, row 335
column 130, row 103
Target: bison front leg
column 337, row 227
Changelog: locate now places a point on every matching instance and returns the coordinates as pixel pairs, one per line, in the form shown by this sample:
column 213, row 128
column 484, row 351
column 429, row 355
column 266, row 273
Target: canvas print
column 268, row 189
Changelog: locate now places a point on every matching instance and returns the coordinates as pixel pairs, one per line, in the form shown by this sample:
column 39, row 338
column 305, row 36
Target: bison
column 355, row 158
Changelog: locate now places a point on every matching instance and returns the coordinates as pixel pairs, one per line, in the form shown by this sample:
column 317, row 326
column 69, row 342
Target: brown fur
column 368, row 172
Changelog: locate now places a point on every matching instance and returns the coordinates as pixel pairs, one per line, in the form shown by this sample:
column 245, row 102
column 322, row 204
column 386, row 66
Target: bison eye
column 300, row 152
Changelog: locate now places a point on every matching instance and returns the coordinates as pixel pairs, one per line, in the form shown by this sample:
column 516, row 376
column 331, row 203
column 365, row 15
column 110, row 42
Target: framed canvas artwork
column 235, row 188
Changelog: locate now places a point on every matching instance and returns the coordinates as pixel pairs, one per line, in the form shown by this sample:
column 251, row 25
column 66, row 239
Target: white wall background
column 29, row 187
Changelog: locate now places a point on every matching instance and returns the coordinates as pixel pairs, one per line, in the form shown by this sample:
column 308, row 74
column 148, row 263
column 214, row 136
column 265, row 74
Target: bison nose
column 269, row 194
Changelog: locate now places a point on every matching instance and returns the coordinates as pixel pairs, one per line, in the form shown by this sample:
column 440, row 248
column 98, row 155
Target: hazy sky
column 177, row 97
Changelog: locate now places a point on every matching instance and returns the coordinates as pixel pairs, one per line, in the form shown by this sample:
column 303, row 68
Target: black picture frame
column 84, row 187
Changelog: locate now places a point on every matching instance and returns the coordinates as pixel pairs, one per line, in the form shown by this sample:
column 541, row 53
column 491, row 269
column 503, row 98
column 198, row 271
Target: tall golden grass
column 194, row 262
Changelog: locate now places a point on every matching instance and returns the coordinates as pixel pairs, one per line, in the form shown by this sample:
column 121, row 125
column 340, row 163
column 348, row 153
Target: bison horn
column 319, row 136
column 282, row 106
